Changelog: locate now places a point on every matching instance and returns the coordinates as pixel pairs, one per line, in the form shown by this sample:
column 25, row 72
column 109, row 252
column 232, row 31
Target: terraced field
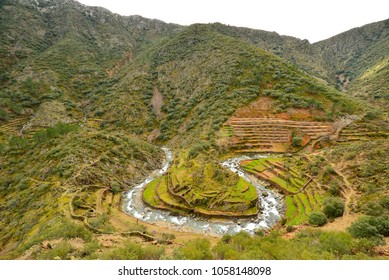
column 178, row 192
column 302, row 194
column 13, row 127
column 270, row 134
column 354, row 133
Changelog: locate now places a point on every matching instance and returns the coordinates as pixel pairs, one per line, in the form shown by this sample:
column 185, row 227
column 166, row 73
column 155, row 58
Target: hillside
column 353, row 52
column 88, row 98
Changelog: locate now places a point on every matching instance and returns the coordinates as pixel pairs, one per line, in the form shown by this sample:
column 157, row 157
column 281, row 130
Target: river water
column 269, row 215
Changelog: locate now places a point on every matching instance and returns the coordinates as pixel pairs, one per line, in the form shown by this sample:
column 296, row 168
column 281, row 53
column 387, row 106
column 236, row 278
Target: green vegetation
column 293, row 176
column 203, row 188
column 296, row 141
column 317, row 219
column 198, row 249
column 53, row 132
column 370, row 227
column 333, row 207
column 84, row 159
column 88, row 97
column 366, row 163
column 242, row 246
column 328, row 245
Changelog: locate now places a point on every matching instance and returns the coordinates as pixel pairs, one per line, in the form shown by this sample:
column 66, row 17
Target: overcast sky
column 306, row 19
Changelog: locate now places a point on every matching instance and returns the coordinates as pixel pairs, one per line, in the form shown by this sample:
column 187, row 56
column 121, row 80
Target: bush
column 197, row 249
column 370, row 227
column 60, row 251
column 330, row 169
column 385, row 202
column 334, row 189
column 373, row 209
column 226, row 238
column 297, row 141
column 333, row 207
column 18, row 143
column 132, row 251
column 317, row 219
column 115, row 187
column 3, row 115
column 289, row 228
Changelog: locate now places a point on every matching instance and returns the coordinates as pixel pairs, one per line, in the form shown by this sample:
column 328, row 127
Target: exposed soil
column 341, row 223
column 157, row 102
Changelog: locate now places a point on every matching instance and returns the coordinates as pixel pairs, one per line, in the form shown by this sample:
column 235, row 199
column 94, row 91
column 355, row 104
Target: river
column 269, row 215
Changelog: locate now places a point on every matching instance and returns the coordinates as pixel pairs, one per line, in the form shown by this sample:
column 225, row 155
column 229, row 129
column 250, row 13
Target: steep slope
column 62, row 49
column 83, row 89
column 297, row 51
column 353, row 52
column 202, row 77
column 338, row 60
column 372, row 85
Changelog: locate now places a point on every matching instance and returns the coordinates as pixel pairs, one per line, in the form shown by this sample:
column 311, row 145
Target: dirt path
column 341, row 223
column 99, row 200
column 334, row 135
column 348, row 192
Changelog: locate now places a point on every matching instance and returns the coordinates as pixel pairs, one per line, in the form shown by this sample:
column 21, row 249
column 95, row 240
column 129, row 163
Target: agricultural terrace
column 210, row 191
column 271, row 134
column 304, row 183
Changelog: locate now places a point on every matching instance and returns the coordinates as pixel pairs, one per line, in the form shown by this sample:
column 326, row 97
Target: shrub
column 373, row 209
column 317, row 219
column 334, row 189
column 226, row 238
column 385, row 202
column 60, row 251
column 115, row 187
column 132, row 251
column 333, row 207
column 330, row 170
column 297, row 141
column 372, row 114
column 18, row 143
column 289, row 228
column 3, row 115
column 168, row 236
column 370, row 227
column 198, row 148
column 197, row 249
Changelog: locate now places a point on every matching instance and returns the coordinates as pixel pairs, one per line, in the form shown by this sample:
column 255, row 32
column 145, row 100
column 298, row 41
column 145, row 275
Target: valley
column 130, row 138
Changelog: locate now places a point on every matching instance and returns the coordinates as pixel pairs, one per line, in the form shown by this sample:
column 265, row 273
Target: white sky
column 305, row 19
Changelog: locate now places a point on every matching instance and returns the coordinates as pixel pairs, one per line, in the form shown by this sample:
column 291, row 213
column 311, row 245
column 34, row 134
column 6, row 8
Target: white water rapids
column 268, row 216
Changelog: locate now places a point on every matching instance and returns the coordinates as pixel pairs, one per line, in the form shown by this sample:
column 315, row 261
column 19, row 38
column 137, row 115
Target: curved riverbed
column 269, row 214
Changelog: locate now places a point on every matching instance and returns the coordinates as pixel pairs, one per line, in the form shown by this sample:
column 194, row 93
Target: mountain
column 355, row 51
column 342, row 57
column 88, row 97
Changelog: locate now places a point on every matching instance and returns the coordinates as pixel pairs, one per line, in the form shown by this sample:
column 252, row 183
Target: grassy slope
column 204, row 76
column 38, row 179
column 109, row 67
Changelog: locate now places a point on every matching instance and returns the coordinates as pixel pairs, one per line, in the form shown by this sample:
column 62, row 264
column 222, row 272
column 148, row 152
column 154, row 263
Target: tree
column 297, row 141
column 317, row 219
column 197, row 249
column 18, row 142
column 333, row 207
column 370, row 227
column 3, row 115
